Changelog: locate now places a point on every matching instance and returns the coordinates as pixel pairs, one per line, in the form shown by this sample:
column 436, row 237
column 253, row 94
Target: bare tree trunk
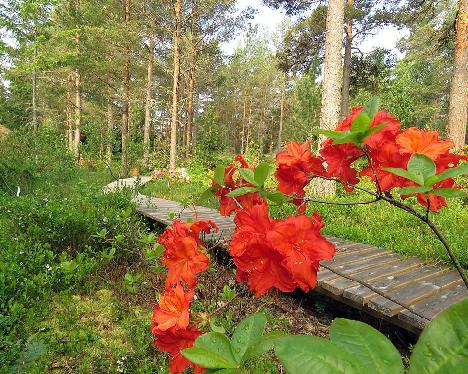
column 280, row 130
column 175, row 83
column 34, row 103
column 331, row 96
column 249, row 127
column 191, row 90
column 77, row 137
column 126, row 101
column 347, row 63
column 69, row 115
column 243, row 129
column 149, row 91
column 110, row 128
column 458, row 105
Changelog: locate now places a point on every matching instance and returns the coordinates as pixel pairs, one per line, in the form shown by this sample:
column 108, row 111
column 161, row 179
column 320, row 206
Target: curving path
column 404, row 291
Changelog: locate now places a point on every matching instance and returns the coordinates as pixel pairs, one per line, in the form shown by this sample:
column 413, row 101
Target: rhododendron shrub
column 285, row 253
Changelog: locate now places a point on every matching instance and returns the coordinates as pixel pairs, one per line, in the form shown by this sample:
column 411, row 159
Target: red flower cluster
column 183, row 255
column 390, row 147
column 232, row 181
column 296, row 168
column 282, row 254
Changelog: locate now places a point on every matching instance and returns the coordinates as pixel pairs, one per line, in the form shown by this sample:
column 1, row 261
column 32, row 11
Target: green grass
column 379, row 224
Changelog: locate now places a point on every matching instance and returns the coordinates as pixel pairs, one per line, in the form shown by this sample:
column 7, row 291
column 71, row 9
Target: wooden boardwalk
column 363, row 276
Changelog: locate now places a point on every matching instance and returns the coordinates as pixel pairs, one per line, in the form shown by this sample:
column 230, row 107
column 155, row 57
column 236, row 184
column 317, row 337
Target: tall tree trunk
column 458, row 106
column 175, row 83
column 110, row 128
column 331, row 96
column 347, row 61
column 191, row 91
column 77, row 137
column 149, row 91
column 280, row 130
column 69, row 115
column 34, row 101
column 126, row 99
column 242, row 149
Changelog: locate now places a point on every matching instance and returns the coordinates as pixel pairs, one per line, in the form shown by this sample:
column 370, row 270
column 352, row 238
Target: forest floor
column 81, row 287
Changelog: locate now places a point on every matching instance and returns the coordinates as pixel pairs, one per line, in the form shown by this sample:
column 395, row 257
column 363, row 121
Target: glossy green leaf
column 264, row 344
column 374, row 129
column 207, row 358
column 443, row 345
column 372, row 107
column 246, row 334
column 211, row 350
column 452, row 172
column 448, row 192
column 412, row 190
column 219, row 175
column 207, row 194
column 241, row 191
column 310, row 354
column 371, row 349
column 348, row 137
column 330, row 133
column 262, row 172
column 248, row 175
column 405, row 174
column 276, row 197
column 421, row 165
column 361, row 123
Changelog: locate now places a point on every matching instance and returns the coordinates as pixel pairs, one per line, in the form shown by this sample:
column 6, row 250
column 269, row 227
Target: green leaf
column 412, row 190
column 361, row 123
column 373, row 130
column 371, row 349
column 241, row 191
column 248, row 175
column 443, row 345
column 348, row 137
column 215, row 328
column 310, row 354
column 206, row 358
column 372, row 107
column 262, row 172
column 263, row 344
column 421, row 166
column 276, row 197
column 452, row 173
column 405, row 174
column 246, row 334
column 448, row 192
column 219, row 175
column 330, row 133
column 207, row 194
column 211, row 350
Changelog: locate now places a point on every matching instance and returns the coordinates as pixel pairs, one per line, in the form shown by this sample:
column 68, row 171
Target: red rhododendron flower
column 425, row 142
column 184, row 261
column 277, row 254
column 173, row 341
column 296, row 168
column 172, row 310
column 299, row 241
column 232, row 181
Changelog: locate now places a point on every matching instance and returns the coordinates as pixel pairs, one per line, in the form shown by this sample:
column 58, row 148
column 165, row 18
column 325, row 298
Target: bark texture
column 126, row 99
column 347, row 62
column 175, row 83
column 332, row 76
column 458, row 105
column 149, row 91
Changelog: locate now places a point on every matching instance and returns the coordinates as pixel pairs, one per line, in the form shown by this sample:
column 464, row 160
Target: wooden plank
column 359, row 293
column 363, row 294
column 339, row 284
column 412, row 293
column 339, row 262
column 431, row 306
